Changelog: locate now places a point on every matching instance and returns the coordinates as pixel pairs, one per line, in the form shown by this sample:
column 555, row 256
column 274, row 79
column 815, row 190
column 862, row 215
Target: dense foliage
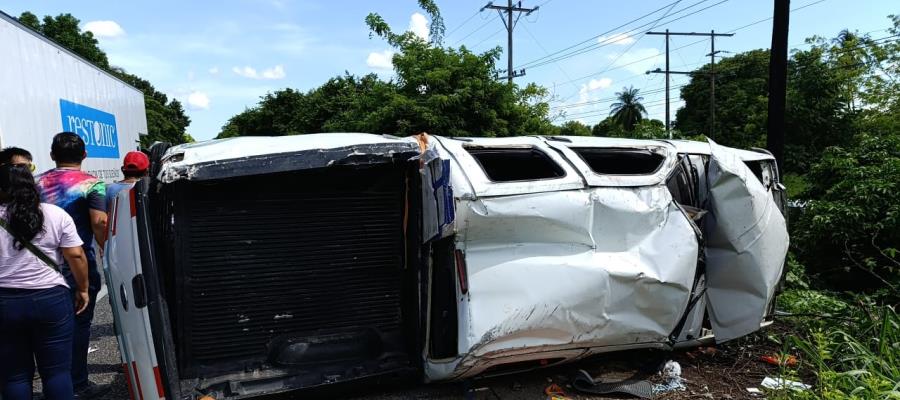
column 166, row 119
column 442, row 90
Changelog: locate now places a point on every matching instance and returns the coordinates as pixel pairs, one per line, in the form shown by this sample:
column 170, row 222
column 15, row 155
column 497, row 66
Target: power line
column 726, row 72
column 634, row 43
column 488, row 22
column 538, row 42
column 486, row 38
column 463, row 24
column 637, row 30
column 604, row 33
column 689, row 44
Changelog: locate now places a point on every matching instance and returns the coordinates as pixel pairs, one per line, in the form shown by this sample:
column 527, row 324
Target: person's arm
column 78, row 265
column 98, row 226
column 96, row 197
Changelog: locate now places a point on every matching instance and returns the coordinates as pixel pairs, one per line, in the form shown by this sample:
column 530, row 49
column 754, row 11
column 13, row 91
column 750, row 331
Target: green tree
column 63, row 29
column 851, row 223
column 831, row 86
column 441, row 90
column 741, row 100
column 649, row 129
column 628, row 110
column 166, row 119
column 574, row 128
column 607, row 128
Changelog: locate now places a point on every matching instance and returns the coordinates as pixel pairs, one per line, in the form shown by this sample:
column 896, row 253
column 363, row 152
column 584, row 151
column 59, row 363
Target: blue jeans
column 82, row 337
column 36, row 325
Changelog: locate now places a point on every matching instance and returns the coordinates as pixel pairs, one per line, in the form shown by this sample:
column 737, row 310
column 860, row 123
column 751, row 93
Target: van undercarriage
column 291, row 279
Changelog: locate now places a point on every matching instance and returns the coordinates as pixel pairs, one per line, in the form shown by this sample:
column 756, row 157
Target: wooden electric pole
column 778, row 81
column 712, row 35
column 509, row 23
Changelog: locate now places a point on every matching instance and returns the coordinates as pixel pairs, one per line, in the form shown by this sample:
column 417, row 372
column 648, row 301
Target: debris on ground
column 555, row 392
column 702, row 351
column 754, row 391
column 672, row 381
column 92, row 349
column 585, row 383
column 781, row 360
column 781, row 383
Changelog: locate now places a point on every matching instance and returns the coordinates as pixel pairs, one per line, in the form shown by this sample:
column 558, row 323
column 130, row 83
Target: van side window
column 508, row 164
column 612, row 161
column 683, row 182
column 762, row 170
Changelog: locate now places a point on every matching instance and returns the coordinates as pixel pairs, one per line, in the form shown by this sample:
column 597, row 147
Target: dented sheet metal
column 747, row 243
column 245, row 156
column 559, row 269
column 572, row 269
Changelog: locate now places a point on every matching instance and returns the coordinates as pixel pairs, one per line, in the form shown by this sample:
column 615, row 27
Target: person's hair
column 67, row 147
column 7, row 154
column 23, row 203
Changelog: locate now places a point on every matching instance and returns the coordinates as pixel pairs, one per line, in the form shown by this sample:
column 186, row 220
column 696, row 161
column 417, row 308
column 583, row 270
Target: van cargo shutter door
column 746, row 245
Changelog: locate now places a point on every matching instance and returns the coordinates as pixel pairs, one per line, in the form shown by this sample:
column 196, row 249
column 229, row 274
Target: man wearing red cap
column 135, row 167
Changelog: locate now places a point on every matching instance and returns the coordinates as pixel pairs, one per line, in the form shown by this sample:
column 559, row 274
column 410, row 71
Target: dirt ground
column 724, row 372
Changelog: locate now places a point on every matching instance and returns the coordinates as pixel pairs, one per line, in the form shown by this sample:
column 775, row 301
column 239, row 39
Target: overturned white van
column 250, row 266
column 570, row 246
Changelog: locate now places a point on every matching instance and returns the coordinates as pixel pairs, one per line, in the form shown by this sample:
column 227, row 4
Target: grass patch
column 848, row 345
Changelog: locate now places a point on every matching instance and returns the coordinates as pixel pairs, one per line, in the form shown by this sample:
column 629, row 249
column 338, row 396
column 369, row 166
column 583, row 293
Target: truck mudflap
column 747, row 242
column 129, row 298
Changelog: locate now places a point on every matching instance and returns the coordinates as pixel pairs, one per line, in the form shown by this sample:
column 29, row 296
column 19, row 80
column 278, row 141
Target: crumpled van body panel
column 597, row 256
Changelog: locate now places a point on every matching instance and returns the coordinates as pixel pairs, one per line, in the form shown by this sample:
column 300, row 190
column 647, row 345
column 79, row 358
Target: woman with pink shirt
column 36, row 306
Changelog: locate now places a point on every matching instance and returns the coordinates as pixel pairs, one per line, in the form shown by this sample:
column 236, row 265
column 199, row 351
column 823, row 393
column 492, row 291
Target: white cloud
column 592, row 85
column 418, row 25
column 214, row 71
column 198, row 100
column 601, row 83
column 637, row 61
column 380, row 60
column 618, row 38
column 104, row 29
column 276, row 72
column 246, row 72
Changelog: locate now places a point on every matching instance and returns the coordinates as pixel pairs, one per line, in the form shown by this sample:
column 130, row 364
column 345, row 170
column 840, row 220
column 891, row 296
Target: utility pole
column 778, row 81
column 509, row 23
column 712, row 35
column 712, row 83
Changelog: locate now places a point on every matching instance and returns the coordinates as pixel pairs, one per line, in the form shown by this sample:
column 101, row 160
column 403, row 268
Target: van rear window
column 507, row 164
column 611, row 161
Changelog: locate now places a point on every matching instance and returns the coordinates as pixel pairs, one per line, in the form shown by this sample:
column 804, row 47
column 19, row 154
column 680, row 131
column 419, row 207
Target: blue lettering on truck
column 97, row 128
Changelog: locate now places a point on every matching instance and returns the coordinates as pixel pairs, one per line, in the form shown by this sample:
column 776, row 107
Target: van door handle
column 139, row 291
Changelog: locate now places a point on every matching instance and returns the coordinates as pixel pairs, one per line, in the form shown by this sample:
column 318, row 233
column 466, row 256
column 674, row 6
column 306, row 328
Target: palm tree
column 628, row 111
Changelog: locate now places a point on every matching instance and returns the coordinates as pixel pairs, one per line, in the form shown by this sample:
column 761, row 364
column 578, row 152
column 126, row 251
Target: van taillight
column 462, row 272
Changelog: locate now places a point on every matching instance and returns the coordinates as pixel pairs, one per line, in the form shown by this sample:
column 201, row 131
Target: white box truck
column 46, row 89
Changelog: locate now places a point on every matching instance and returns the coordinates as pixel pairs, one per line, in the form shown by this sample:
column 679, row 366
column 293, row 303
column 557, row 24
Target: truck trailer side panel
column 47, row 89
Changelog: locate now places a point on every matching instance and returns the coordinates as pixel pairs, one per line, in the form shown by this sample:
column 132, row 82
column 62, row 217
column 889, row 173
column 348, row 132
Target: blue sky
column 219, row 58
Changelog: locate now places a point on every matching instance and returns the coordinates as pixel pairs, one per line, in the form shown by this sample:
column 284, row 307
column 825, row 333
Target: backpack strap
column 31, row 247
